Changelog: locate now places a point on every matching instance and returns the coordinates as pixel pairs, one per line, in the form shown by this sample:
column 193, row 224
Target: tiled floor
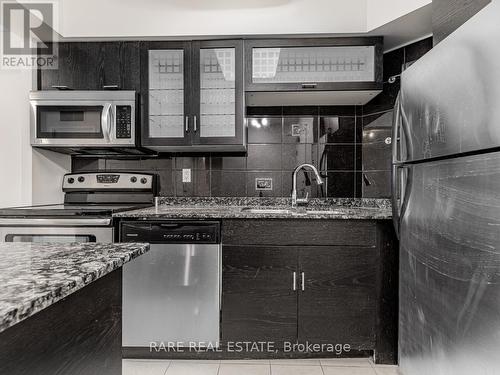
column 257, row 367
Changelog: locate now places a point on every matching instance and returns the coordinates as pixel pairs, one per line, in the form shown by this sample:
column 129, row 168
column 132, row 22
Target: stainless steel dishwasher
column 171, row 295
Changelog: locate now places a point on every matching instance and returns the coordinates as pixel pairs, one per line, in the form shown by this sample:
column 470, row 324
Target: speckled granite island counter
column 60, row 307
column 263, row 208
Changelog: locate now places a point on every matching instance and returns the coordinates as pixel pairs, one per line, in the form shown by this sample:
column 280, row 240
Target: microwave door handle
column 105, row 121
column 112, row 125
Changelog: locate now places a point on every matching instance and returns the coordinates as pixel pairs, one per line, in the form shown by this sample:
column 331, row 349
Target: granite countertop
column 34, row 276
column 238, row 208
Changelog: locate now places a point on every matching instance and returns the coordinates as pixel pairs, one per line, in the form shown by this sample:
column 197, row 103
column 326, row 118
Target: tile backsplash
column 276, row 145
column 351, row 145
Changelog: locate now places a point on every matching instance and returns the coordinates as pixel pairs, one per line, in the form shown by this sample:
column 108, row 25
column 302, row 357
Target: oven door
column 25, row 230
column 82, row 123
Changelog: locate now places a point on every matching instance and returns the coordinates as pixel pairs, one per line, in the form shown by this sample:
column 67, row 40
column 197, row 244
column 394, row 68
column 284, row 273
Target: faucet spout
column 319, row 181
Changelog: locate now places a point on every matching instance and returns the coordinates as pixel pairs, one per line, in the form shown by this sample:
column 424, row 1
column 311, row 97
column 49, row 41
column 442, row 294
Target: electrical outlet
column 297, row 130
column 186, row 175
column 263, row 183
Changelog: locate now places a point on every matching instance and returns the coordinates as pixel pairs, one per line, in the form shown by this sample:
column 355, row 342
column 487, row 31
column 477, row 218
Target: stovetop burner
column 69, row 210
column 95, row 194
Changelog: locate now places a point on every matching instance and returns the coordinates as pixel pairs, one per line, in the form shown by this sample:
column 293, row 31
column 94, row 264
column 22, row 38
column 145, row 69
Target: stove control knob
column 133, row 179
column 71, row 180
column 144, row 180
column 81, row 179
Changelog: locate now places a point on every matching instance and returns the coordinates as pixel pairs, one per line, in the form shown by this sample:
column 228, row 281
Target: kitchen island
column 60, row 307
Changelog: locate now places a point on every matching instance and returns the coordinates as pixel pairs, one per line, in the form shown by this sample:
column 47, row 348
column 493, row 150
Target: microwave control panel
column 123, row 121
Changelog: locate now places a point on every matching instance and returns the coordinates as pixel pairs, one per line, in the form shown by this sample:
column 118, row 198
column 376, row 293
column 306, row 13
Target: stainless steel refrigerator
column 446, row 198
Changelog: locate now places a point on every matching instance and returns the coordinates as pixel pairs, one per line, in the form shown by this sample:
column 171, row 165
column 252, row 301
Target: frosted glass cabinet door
column 195, row 97
column 217, row 92
column 166, row 114
column 218, row 103
column 322, row 64
column 313, row 64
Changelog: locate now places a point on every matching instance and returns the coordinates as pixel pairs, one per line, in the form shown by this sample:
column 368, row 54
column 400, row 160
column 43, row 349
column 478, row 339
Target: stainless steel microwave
column 83, row 120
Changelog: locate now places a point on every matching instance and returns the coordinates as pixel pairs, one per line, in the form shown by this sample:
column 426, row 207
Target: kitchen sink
column 324, row 212
column 292, row 211
column 267, row 211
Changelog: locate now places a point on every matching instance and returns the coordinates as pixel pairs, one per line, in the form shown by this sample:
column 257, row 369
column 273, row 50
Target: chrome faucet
column 319, row 181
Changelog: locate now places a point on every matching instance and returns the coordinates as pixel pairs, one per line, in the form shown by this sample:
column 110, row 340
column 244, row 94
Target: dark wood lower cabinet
column 314, row 294
column 258, row 300
column 345, row 292
column 337, row 298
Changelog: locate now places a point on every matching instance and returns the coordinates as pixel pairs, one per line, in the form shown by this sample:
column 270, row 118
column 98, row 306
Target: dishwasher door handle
column 170, row 225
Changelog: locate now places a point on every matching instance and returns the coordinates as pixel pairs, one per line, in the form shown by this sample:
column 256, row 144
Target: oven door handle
column 55, row 222
column 106, row 121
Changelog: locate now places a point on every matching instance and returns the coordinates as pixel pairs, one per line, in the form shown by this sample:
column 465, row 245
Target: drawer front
column 300, row 232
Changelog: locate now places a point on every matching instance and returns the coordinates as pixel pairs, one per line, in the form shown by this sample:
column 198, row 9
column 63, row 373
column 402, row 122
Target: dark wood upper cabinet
column 278, row 70
column 193, row 96
column 94, row 66
column 192, row 93
column 337, row 296
column 449, row 15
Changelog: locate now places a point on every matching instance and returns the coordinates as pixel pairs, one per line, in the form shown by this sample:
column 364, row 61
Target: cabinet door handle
column 303, row 284
column 187, row 124
column 309, row 85
column 194, row 124
column 294, row 283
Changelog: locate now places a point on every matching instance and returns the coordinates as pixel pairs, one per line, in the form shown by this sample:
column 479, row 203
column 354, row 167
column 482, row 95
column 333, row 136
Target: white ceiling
column 381, row 12
column 181, row 18
column 399, row 20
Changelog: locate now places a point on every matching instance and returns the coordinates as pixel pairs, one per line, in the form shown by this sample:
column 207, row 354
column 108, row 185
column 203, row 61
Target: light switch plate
column 263, row 183
column 186, row 175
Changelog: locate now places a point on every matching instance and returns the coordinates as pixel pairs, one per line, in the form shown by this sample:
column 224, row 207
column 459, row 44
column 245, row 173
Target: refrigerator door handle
column 396, row 139
column 402, row 146
column 396, row 134
column 401, row 187
column 394, row 198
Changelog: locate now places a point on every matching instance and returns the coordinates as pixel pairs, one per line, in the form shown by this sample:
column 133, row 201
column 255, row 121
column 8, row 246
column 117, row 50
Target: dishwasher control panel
column 196, row 237
column 170, row 232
